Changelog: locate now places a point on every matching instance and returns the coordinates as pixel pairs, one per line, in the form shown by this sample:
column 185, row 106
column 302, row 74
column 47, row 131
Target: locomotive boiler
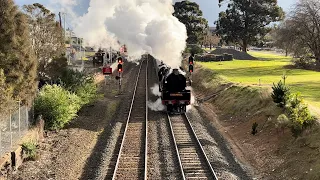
column 173, row 90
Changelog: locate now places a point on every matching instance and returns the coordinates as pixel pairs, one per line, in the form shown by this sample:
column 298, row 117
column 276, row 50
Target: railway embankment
column 233, row 109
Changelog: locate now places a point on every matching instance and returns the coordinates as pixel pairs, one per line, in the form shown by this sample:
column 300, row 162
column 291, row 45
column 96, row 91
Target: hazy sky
column 209, row 8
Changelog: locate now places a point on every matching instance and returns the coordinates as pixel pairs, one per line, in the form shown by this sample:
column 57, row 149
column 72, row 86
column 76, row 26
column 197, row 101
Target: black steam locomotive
column 98, row 57
column 173, row 90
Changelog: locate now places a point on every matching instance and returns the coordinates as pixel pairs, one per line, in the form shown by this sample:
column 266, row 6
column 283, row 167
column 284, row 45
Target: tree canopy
column 190, row 15
column 246, row 21
column 17, row 59
column 302, row 28
column 46, row 34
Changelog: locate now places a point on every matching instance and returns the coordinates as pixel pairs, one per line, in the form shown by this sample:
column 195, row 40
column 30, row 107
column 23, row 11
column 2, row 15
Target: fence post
column 27, row 117
column 19, row 119
column 10, row 132
column 0, row 142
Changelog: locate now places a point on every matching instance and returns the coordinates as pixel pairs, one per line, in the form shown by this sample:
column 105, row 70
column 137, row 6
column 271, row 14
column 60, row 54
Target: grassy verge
column 238, row 100
column 269, row 69
column 239, row 106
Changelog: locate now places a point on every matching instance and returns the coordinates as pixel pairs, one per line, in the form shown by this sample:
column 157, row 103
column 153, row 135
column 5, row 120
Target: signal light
column 191, row 68
column 120, row 68
column 191, row 60
column 120, row 61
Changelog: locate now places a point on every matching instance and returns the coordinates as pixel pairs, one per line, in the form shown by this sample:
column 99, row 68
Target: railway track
column 131, row 162
column 193, row 161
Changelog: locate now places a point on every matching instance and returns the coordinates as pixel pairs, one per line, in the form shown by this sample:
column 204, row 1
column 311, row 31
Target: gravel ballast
column 215, row 146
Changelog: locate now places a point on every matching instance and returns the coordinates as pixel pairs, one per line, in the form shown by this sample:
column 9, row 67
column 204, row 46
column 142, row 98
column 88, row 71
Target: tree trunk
column 286, row 52
column 210, row 46
column 245, row 46
column 318, row 61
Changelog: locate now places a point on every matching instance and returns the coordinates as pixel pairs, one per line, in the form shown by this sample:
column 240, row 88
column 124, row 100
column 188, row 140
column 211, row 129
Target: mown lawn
column 268, row 69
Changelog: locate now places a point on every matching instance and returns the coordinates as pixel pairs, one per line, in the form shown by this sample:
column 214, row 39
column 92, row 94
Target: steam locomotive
column 98, row 57
column 173, row 90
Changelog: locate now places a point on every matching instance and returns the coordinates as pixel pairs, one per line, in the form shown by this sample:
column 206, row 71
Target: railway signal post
column 191, row 65
column 120, row 70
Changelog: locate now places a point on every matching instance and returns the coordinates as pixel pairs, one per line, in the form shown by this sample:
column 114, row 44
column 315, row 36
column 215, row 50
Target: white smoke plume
column 156, row 106
column 155, row 90
column 66, row 6
column 192, row 100
column 143, row 25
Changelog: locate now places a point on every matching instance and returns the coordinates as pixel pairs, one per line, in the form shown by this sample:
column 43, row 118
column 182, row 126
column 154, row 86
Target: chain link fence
column 13, row 127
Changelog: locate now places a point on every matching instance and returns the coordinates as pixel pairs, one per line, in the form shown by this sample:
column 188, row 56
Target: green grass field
column 268, row 69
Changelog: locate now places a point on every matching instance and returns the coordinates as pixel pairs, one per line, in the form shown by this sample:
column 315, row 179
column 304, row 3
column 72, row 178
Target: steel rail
column 200, row 146
column 146, row 127
column 127, row 122
column 176, row 148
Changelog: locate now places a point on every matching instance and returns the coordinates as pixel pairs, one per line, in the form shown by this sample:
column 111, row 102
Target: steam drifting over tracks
column 132, row 159
column 193, row 161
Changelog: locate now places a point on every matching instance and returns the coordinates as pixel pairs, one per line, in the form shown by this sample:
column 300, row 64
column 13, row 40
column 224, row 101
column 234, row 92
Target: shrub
column 254, row 128
column 280, row 94
column 303, row 62
column 81, row 84
column 282, row 122
column 299, row 114
column 56, row 67
column 195, row 49
column 87, row 93
column 57, row 106
column 30, row 150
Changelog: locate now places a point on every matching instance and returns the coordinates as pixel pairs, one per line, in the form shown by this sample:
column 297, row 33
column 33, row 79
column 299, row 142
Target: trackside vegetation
column 59, row 104
column 296, row 113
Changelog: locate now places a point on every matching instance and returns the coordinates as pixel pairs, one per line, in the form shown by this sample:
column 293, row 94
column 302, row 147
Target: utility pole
column 60, row 19
column 110, row 56
column 65, row 29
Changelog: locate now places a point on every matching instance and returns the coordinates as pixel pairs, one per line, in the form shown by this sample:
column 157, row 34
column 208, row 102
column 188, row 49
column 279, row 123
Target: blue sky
column 209, row 8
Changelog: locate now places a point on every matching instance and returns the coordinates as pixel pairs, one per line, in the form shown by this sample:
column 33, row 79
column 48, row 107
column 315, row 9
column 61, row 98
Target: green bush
column 303, row 62
column 299, row 114
column 30, row 150
column 195, row 49
column 57, row 106
column 254, row 128
column 87, row 93
column 282, row 121
column 56, row 67
column 280, row 94
column 79, row 83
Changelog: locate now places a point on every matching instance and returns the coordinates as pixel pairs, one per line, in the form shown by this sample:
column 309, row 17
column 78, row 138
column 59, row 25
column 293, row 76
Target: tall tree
column 304, row 27
column 210, row 39
column 245, row 21
column 47, row 35
column 283, row 38
column 17, row 59
column 190, row 15
column 6, row 100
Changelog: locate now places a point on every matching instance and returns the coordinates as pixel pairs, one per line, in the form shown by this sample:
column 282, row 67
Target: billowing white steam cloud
column 155, row 90
column 156, row 106
column 192, row 100
column 143, row 25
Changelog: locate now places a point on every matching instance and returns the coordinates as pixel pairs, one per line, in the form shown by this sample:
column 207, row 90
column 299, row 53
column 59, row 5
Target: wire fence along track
column 132, row 157
column 193, row 162
column 13, row 127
